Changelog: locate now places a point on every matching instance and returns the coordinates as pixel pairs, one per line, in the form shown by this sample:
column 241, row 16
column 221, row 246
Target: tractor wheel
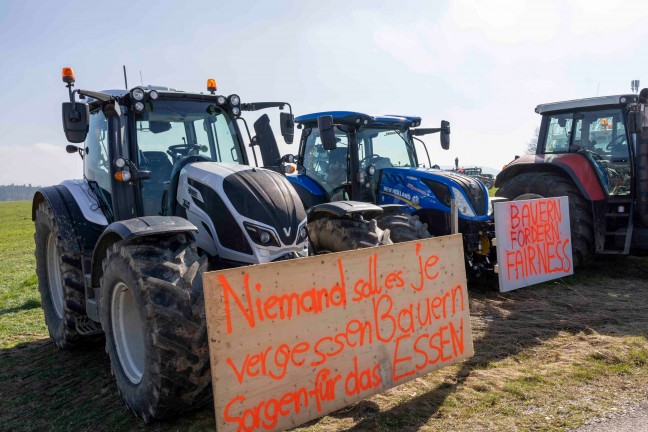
column 337, row 235
column 60, row 280
column 153, row 315
column 403, row 226
column 543, row 184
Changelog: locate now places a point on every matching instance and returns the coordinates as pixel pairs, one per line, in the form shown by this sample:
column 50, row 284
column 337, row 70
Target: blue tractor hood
column 429, row 188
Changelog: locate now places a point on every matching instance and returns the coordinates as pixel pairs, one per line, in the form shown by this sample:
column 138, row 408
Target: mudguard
column 131, row 229
column 71, row 218
column 341, row 209
column 572, row 165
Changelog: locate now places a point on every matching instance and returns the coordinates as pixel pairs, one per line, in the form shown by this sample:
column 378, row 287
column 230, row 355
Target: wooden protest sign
column 294, row 340
column 533, row 241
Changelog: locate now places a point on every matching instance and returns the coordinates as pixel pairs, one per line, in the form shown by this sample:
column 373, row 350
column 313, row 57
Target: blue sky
column 482, row 65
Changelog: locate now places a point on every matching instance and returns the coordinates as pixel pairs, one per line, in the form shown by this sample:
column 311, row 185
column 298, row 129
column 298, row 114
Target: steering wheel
column 614, row 142
column 181, row 149
column 365, row 162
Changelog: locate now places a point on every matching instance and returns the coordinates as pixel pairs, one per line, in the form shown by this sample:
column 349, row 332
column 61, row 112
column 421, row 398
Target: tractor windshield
column 173, row 129
column 385, row 148
column 598, row 135
column 182, row 128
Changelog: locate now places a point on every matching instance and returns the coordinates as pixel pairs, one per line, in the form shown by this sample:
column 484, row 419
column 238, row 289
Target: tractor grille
column 473, row 190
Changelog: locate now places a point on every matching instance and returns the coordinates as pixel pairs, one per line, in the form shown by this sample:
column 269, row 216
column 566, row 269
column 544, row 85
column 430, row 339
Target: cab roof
column 352, row 117
column 587, row 103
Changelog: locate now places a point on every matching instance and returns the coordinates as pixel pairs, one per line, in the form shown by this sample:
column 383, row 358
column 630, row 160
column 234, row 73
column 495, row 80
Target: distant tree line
column 14, row 192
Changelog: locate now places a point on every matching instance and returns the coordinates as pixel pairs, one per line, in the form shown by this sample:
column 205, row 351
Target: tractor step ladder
column 618, row 227
column 85, row 326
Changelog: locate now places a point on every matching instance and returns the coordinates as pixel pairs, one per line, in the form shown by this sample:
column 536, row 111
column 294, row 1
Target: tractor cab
column 139, row 149
column 597, row 131
column 346, row 161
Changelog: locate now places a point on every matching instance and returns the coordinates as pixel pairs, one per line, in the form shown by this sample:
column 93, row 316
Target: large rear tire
column 60, row 280
column 337, row 235
column 544, row 184
column 403, row 226
column 153, row 314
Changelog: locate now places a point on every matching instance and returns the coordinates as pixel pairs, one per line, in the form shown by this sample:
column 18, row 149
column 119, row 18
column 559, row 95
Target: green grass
column 21, row 318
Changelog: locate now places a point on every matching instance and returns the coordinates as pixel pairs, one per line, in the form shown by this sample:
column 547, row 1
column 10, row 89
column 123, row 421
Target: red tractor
column 594, row 151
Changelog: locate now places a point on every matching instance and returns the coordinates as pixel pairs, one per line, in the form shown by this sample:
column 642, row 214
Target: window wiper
column 101, row 199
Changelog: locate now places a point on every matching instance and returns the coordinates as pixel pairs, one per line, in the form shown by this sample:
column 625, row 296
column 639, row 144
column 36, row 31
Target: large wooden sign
column 533, row 241
column 294, row 340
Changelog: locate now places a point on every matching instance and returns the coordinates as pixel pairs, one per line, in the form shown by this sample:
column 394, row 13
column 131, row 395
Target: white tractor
column 166, row 194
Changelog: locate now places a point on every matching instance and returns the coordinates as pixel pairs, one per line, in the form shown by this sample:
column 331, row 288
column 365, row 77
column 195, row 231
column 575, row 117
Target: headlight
column 303, row 234
column 371, row 170
column 153, row 94
column 462, row 204
column 236, row 111
column 139, row 106
column 234, row 100
column 221, row 100
column 261, row 236
column 137, row 94
column 264, row 237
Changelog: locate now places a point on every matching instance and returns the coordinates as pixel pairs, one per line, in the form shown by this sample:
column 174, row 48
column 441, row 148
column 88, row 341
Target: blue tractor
column 347, row 155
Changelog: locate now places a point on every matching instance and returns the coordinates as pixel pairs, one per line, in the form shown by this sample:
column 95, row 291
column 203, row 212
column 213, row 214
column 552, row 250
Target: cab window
column 327, row 167
column 96, row 164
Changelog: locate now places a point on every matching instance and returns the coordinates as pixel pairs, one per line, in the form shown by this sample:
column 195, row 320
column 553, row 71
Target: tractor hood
column 421, row 183
column 244, row 214
column 257, row 194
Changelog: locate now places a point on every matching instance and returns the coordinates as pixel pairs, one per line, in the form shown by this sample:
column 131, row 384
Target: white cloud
column 604, row 17
column 40, row 164
column 508, row 22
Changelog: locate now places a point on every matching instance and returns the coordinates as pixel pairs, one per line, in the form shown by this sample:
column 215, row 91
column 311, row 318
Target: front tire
column 60, row 279
column 544, row 184
column 153, row 314
column 403, row 226
column 338, row 235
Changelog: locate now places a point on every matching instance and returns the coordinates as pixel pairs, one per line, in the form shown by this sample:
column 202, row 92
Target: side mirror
column 445, row 134
column 266, row 141
column 327, row 132
column 76, row 117
column 287, row 122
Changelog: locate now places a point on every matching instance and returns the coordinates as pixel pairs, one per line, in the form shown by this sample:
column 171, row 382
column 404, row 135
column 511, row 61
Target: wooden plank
column 533, row 241
column 294, row 340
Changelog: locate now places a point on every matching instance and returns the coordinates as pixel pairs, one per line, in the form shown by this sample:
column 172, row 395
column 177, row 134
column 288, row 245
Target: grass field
column 547, row 358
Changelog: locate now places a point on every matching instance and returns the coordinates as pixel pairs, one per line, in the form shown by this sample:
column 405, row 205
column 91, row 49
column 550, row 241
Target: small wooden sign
column 294, row 340
column 533, row 241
